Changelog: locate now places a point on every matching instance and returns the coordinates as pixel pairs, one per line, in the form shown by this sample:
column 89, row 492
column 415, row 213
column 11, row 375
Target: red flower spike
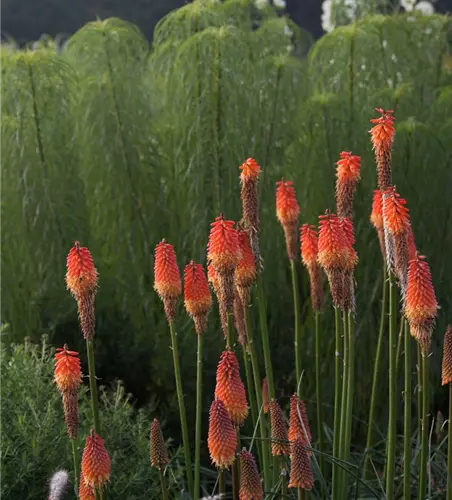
column 287, row 208
column 68, row 372
column 95, row 462
column 300, row 467
column 167, row 282
column 265, row 401
column 299, row 428
column 421, row 307
column 395, row 213
column 376, row 217
column 158, row 451
column 446, row 376
column 230, row 389
column 198, row 300
column 250, row 482
column 309, row 244
column 212, row 277
column 250, row 170
column 348, row 174
column 81, row 275
column 382, row 136
column 85, row 492
column 349, row 233
column 223, row 248
column 280, row 440
column 222, row 438
column 333, row 245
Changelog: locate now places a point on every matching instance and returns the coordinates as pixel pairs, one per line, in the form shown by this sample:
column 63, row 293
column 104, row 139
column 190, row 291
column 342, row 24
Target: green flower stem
column 296, row 308
column 318, row 387
column 337, row 401
column 419, row 388
column 264, row 444
column 180, row 400
column 373, row 397
column 399, row 348
column 264, row 335
column 75, row 457
column 424, row 428
column 391, row 437
column 221, row 484
column 449, row 448
column 284, row 478
column 163, row 485
column 198, row 432
column 249, row 386
column 93, row 385
column 343, row 424
column 235, row 480
column 407, row 416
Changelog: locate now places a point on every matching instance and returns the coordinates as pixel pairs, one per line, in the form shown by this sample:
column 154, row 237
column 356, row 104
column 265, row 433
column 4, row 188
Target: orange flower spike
column 68, row 372
column 287, row 208
column 348, row 167
column 222, row 438
column 309, row 245
column 299, row 429
column 349, row 232
column 421, row 307
column 230, row 389
column 198, row 300
column 300, row 467
column 212, row 277
column 167, row 282
column 223, row 249
column 85, row 492
column 250, row 170
column 250, row 482
column 81, row 275
column 383, row 131
column 333, row 246
column 158, row 451
column 447, row 357
column 376, row 216
column 245, row 272
column 348, row 174
column 95, row 462
column 280, row 442
column 395, row 213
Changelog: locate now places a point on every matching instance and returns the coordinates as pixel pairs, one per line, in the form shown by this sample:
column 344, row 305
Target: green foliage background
column 118, row 144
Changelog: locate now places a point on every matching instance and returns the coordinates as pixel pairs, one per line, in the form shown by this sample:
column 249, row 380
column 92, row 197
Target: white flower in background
column 351, row 7
column 58, row 485
column 287, row 31
column 261, row 4
column 425, row 7
column 408, row 5
column 327, row 24
column 281, row 4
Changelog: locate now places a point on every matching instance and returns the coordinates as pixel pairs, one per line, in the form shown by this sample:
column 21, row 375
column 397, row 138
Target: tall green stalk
column 182, row 413
column 318, row 390
column 264, row 336
column 296, row 308
column 407, row 416
column 373, row 397
column 350, row 389
column 337, row 400
column 249, row 387
column 391, row 437
column 198, row 432
column 221, row 484
column 424, row 428
column 449, row 448
column 93, row 385
column 163, row 485
column 343, row 424
column 75, row 458
column 264, row 444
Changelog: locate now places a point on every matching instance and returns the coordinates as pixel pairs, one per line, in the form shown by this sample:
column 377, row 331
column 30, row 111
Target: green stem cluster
column 337, row 399
column 296, row 308
column 198, row 432
column 407, row 416
column 424, row 428
column 318, row 390
column 449, row 448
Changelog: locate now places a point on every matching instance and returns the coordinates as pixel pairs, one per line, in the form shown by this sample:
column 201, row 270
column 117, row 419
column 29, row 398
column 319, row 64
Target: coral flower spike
column 382, row 136
column 85, row 492
column 299, row 427
column 68, row 372
column 223, row 249
column 287, row 212
column 198, row 300
column 376, row 218
column 447, row 357
column 81, row 275
column 250, row 482
column 230, row 389
column 222, row 438
column 300, row 467
column 348, row 174
column 167, row 282
column 309, row 254
column 95, row 462
column 280, row 440
column 421, row 306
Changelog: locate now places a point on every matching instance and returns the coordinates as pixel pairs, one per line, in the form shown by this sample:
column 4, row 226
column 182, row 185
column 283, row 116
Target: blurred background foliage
column 118, row 144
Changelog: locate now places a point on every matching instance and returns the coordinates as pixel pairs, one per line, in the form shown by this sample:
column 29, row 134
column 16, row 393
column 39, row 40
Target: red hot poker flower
column 333, row 246
column 68, row 372
column 250, row 482
column 447, row 357
column 158, row 451
column 167, row 282
column 395, row 213
column 300, row 467
column 309, row 245
column 250, row 170
column 376, row 217
column 348, row 167
column 222, row 438
column 245, row 272
column 95, row 462
column 230, row 389
column 299, row 428
column 85, row 492
column 421, row 306
column 382, row 136
column 280, row 442
column 81, row 275
column 223, row 249
column 287, row 212
column 348, row 174
column 198, row 300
